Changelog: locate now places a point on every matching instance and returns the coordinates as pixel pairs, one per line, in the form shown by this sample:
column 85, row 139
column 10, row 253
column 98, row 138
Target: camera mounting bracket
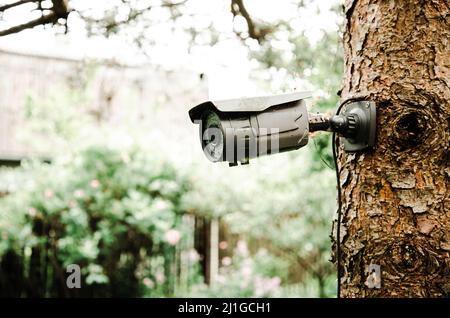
column 355, row 124
column 361, row 128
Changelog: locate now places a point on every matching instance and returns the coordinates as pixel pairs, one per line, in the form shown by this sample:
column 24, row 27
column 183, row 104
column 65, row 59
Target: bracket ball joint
column 356, row 125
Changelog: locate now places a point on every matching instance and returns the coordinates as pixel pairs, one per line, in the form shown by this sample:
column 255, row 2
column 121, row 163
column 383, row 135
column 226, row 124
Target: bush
column 282, row 204
column 121, row 216
column 117, row 215
column 244, row 275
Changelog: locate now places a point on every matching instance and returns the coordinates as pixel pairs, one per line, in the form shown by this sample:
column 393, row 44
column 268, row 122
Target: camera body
column 237, row 130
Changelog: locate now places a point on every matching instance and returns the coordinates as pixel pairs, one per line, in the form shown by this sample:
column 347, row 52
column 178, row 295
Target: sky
column 226, row 64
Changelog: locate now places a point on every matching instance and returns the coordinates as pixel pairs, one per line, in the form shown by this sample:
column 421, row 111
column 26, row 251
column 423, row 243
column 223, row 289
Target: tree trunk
column 396, row 199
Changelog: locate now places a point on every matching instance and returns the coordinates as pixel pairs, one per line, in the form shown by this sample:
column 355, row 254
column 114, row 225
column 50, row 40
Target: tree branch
column 255, row 31
column 45, row 19
column 110, row 26
column 15, row 4
column 59, row 10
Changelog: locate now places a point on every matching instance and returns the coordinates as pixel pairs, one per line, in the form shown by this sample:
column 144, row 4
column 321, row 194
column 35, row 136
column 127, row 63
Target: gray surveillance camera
column 237, row 130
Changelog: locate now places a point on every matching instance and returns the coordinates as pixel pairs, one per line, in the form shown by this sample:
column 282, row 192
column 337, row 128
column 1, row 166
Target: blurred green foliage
column 119, row 216
column 107, row 211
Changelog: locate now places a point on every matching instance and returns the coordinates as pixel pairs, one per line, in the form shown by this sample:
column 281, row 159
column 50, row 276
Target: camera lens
column 212, row 137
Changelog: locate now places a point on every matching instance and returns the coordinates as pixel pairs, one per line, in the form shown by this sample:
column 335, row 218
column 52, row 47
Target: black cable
column 338, row 227
column 335, row 146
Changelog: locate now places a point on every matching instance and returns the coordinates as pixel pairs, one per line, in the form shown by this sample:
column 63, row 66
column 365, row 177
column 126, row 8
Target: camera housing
column 237, row 130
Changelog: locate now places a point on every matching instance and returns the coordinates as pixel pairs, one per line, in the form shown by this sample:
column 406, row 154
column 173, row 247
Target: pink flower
column 148, row 282
column 172, row 236
column 242, row 248
column 95, row 183
column 32, row 212
column 223, row 245
column 49, row 193
column 72, row 204
column 226, row 261
column 125, row 157
column 193, row 255
column 275, row 282
column 220, row 279
column 78, row 193
column 160, row 278
column 161, row 205
column 246, row 272
column 266, row 286
column 259, row 287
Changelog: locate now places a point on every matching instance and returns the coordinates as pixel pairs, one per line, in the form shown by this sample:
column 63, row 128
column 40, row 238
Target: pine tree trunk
column 396, row 199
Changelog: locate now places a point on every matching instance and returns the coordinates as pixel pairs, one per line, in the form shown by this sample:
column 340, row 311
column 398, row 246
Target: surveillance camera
column 237, row 130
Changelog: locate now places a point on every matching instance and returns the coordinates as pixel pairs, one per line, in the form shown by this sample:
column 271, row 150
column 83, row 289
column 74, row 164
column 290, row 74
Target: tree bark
column 396, row 199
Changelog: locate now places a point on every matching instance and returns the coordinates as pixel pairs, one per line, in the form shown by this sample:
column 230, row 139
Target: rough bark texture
column 396, row 199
